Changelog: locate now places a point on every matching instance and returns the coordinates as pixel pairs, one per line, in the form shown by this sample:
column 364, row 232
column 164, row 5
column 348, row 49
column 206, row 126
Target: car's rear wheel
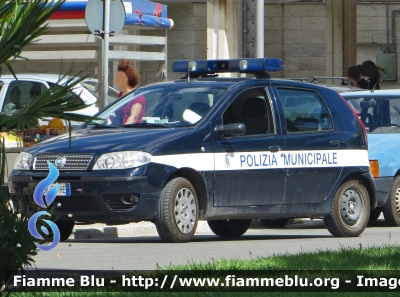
column 391, row 209
column 177, row 215
column 374, row 214
column 65, row 227
column 350, row 210
column 229, row 228
column 274, row 223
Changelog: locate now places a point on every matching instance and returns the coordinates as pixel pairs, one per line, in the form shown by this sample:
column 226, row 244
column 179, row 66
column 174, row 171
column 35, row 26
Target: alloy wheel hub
column 185, row 211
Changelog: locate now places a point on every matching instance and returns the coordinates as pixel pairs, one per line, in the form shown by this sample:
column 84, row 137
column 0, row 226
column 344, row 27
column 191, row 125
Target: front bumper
column 383, row 186
column 98, row 196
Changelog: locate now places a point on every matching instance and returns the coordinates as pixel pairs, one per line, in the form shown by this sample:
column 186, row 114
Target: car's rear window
column 304, row 111
column 379, row 114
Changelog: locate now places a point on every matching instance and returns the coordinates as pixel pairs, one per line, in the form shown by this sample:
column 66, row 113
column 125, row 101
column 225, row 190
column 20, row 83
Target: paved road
column 146, row 252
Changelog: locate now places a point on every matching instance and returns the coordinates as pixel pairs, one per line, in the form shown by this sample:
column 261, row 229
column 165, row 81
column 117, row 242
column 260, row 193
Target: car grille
column 73, row 162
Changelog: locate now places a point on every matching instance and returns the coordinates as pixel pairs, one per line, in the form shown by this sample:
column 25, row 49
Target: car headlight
column 122, row 160
column 23, row 161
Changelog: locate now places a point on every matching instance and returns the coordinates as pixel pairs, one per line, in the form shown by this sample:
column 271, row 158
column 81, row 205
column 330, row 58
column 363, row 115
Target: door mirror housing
column 236, row 129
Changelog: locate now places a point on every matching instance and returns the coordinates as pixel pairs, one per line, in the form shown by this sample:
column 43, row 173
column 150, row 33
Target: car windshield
column 379, row 114
column 163, row 106
column 93, row 88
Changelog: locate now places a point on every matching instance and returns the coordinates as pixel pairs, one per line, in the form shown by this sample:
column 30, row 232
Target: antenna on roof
column 373, row 89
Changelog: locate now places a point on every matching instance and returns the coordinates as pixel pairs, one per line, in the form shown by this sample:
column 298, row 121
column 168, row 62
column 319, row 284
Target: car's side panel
column 246, row 168
column 247, row 172
column 382, row 147
column 309, row 149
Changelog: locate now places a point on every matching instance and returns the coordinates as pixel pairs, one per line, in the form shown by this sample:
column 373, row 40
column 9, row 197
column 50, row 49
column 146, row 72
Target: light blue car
column 380, row 112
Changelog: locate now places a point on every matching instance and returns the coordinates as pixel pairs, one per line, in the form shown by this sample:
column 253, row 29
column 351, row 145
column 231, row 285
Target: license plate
column 64, row 189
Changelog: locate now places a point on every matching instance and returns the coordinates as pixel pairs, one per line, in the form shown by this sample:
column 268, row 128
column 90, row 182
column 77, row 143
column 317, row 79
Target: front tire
column 177, row 215
column 391, row 209
column 229, row 228
column 350, row 210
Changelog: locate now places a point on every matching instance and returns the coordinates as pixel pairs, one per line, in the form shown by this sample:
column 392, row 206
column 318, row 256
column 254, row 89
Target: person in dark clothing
column 370, row 70
column 354, row 75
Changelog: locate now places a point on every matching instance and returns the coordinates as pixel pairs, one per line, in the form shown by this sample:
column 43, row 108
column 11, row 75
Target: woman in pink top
column 127, row 79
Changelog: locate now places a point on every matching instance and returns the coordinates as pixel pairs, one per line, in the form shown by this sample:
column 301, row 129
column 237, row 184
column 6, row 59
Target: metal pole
column 106, row 32
column 259, row 22
column 387, row 26
column 240, row 33
column 215, row 54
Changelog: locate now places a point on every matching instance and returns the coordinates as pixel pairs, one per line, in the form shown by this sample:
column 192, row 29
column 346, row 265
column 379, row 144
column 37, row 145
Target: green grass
column 372, row 258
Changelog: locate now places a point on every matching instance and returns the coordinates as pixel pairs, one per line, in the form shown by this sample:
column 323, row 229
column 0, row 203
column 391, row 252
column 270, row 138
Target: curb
column 97, row 231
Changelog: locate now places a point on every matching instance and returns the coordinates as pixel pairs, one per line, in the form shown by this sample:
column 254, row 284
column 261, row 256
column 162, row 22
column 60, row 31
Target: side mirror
column 236, row 129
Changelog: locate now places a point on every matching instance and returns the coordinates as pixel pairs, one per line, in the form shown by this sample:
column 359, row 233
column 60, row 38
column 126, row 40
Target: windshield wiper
column 143, row 125
column 100, row 125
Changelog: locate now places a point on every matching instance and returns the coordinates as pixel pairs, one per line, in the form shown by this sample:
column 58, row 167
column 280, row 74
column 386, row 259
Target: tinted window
column 304, row 111
column 252, row 109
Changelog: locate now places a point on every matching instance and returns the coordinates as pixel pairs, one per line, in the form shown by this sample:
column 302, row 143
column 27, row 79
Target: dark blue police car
column 225, row 150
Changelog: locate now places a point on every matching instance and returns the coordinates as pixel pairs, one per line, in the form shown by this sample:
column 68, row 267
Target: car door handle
column 335, row 142
column 274, row 148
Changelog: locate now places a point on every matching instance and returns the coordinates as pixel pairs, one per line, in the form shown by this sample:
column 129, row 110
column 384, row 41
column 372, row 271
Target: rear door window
column 304, row 111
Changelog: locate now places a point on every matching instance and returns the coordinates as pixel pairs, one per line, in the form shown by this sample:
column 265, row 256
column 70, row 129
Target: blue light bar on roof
column 234, row 65
column 182, row 66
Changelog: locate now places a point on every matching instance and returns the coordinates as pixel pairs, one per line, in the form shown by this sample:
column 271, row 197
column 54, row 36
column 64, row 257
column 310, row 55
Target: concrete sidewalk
column 94, row 231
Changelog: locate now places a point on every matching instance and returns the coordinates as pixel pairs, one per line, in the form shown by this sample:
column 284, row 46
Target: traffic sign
column 94, row 16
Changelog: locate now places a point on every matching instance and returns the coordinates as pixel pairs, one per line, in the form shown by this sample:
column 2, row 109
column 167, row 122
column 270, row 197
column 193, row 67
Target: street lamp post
column 106, row 44
column 259, row 22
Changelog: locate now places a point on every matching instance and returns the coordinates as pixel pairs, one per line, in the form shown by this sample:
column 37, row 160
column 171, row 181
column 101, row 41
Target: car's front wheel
column 391, row 209
column 229, row 228
column 350, row 210
column 177, row 215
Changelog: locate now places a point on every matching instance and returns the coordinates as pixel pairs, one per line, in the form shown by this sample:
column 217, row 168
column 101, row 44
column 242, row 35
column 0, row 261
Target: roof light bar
column 194, row 66
column 234, row 65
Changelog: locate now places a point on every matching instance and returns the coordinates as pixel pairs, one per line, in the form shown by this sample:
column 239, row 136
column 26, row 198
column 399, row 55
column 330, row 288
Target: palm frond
column 22, row 23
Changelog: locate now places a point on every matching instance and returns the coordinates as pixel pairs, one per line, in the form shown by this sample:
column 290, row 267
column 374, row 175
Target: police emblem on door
column 227, row 161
